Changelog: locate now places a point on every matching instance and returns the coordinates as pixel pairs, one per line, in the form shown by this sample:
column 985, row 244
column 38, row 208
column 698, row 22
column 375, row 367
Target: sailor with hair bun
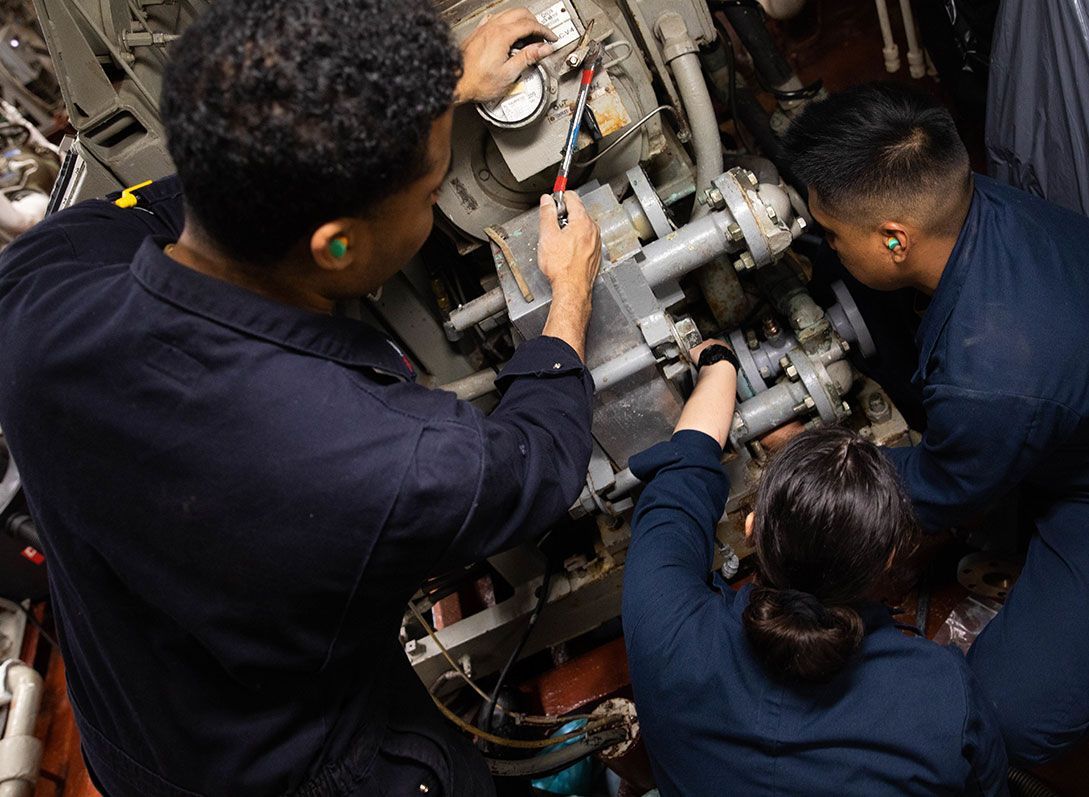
column 800, row 683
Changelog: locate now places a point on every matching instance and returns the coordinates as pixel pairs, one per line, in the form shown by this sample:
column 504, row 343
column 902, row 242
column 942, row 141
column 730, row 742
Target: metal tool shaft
column 593, row 59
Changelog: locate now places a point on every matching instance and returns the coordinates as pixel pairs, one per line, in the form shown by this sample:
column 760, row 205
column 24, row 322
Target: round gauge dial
column 520, row 106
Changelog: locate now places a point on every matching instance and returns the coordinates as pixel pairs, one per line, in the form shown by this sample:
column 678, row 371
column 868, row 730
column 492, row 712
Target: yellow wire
column 524, row 744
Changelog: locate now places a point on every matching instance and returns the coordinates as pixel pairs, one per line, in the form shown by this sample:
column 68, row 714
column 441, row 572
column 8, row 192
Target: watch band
column 716, row 354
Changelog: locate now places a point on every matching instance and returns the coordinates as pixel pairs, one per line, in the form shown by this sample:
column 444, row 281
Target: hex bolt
column 771, row 329
column 784, row 362
column 751, row 341
column 876, row 402
column 809, row 403
column 734, row 231
column 801, row 223
column 792, row 373
column 752, row 179
column 747, row 259
column 844, row 345
column 772, row 214
column 846, row 407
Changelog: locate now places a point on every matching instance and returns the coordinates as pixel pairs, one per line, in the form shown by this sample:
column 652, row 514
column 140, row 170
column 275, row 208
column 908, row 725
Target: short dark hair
column 283, row 114
column 881, row 148
column 830, row 513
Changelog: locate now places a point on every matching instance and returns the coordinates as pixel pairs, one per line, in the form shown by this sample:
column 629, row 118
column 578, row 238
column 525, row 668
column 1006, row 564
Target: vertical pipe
column 916, row 62
column 682, row 56
column 25, row 686
column 890, row 50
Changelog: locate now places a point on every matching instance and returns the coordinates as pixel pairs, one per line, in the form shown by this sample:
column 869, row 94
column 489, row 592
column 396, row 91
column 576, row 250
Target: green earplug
column 338, row 247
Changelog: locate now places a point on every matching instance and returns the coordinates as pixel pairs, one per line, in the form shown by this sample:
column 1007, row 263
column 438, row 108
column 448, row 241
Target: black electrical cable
column 731, row 64
column 542, row 599
column 37, row 624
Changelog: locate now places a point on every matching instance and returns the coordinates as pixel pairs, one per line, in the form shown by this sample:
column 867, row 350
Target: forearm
column 710, row 409
column 569, row 317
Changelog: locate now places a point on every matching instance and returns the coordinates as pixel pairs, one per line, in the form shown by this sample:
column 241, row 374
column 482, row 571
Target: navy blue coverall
column 1005, row 381
column 903, row 718
column 238, row 497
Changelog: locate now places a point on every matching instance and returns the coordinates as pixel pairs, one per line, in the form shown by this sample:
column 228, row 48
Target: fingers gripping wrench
column 589, row 66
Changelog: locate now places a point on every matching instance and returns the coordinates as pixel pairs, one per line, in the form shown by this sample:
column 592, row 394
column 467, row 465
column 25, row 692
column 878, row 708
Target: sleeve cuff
column 541, row 358
column 686, row 448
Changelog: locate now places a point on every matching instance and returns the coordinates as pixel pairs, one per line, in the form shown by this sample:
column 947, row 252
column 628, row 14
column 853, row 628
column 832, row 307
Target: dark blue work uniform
column 903, row 718
column 237, row 499
column 1005, row 380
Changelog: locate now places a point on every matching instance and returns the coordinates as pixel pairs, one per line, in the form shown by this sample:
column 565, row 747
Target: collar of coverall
column 343, row 340
column 948, row 291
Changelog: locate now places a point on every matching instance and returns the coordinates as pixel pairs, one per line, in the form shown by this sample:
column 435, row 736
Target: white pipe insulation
column 890, row 50
column 20, row 750
column 916, row 61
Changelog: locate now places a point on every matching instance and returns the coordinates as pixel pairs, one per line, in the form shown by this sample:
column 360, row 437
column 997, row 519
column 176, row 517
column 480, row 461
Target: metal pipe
column 480, row 308
column 768, row 410
column 693, row 245
column 771, row 66
column 473, row 386
column 681, row 53
column 619, row 368
column 890, row 50
column 24, row 753
column 916, row 62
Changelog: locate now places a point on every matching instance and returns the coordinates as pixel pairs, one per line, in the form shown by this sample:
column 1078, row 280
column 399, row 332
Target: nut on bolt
column 734, row 231
column 752, row 179
column 792, row 374
column 745, row 262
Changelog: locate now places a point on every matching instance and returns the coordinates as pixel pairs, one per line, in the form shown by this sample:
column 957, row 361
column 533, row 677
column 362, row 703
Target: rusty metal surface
column 586, row 679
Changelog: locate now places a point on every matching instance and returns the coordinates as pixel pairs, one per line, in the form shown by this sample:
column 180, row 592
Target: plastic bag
column 965, row 622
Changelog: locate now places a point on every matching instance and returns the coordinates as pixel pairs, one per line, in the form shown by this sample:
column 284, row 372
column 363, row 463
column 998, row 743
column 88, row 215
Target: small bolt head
column 734, row 231
column 784, row 362
column 846, row 407
column 772, row 214
column 752, row 179
column 751, row 341
column 747, row 259
column 801, row 223
column 809, row 403
column 792, row 373
column 844, row 345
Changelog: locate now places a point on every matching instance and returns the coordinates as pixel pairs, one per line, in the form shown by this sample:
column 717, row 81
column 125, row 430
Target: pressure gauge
column 522, row 105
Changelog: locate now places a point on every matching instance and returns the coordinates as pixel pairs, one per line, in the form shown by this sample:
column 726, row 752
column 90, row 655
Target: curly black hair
column 284, row 114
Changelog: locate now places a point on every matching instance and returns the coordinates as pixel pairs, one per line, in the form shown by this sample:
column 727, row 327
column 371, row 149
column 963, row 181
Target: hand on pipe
column 710, row 408
column 488, row 67
column 570, row 258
